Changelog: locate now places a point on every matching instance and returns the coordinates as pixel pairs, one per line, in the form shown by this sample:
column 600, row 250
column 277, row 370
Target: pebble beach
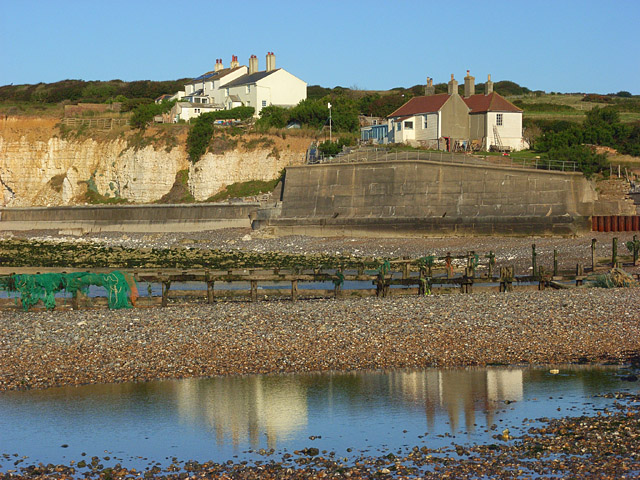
column 41, row 349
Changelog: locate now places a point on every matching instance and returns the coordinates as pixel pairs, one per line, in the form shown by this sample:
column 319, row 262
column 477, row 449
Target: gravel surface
column 43, row 349
column 40, row 349
column 508, row 250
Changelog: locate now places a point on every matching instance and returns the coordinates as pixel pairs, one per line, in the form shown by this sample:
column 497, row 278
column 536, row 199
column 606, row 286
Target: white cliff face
column 57, row 172
column 213, row 172
column 42, row 169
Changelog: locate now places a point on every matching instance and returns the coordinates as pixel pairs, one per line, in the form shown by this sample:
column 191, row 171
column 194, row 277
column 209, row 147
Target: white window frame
column 499, row 119
column 408, row 125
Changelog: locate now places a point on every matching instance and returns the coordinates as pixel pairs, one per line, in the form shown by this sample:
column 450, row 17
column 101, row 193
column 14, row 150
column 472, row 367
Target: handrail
column 384, row 155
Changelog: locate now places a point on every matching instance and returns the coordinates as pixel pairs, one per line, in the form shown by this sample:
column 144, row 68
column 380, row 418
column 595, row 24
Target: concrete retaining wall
column 147, row 218
column 425, row 197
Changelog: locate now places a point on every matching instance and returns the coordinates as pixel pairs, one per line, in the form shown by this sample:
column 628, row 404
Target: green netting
column 121, row 288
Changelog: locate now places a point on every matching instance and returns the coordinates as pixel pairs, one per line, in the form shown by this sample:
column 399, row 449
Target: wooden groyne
column 462, row 273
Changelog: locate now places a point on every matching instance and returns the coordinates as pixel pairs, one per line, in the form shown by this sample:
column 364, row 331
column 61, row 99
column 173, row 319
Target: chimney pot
column 452, row 86
column 469, row 85
column 488, row 87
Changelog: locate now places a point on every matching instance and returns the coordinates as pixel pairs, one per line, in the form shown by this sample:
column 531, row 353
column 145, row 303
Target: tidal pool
column 262, row 417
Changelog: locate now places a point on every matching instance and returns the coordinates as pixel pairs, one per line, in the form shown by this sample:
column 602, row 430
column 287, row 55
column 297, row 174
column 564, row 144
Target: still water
column 235, row 417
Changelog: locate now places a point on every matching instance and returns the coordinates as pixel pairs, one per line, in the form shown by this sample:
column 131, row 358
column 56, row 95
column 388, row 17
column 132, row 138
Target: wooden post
column 492, row 258
column 294, row 290
column 254, row 290
column 379, row 287
column 534, row 262
column 472, row 263
column 541, row 280
column 166, row 285
column 448, row 266
column 579, row 274
column 614, row 253
column 210, row 292
column 75, row 301
column 209, row 282
column 635, row 250
column 421, row 283
column 468, row 280
column 503, row 283
column 405, row 269
column 593, row 254
column 555, row 262
column 506, row 279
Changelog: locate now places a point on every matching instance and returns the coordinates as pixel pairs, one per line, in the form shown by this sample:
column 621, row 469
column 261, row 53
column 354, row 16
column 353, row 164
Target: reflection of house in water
column 241, row 408
column 456, row 390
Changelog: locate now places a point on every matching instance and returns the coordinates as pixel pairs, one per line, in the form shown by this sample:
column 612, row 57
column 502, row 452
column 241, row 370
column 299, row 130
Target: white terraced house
column 227, row 88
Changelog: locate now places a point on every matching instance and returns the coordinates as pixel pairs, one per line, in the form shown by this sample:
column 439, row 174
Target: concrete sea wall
column 423, row 197
column 129, row 218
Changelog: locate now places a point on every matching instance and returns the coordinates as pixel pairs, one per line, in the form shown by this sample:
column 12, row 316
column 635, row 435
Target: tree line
column 569, row 141
column 130, row 94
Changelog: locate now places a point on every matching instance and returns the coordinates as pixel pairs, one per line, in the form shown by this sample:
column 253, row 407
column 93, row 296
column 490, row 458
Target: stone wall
column 430, row 197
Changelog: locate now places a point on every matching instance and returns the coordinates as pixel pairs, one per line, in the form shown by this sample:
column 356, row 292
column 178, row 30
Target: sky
column 561, row 45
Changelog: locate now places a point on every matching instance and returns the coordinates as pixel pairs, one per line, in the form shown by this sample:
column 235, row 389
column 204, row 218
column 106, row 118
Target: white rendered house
column 227, row 88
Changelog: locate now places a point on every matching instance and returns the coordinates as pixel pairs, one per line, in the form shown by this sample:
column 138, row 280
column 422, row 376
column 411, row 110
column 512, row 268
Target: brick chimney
column 429, row 89
column 452, row 86
column 234, row 62
column 219, row 65
column 469, row 85
column 271, row 61
column 253, row 64
column 488, row 87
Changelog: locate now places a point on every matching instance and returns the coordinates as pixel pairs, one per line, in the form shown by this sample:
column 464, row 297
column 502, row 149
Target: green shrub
column 245, row 189
column 143, row 114
column 201, row 132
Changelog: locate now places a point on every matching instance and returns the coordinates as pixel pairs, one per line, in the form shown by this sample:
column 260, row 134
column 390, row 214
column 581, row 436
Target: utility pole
column 329, row 105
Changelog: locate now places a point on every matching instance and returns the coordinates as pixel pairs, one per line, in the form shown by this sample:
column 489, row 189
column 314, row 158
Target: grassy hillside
column 573, row 107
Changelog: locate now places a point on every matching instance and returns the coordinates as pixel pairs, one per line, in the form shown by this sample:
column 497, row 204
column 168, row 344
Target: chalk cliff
column 39, row 167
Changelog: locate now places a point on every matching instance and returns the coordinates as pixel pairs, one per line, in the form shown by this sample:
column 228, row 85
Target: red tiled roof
column 480, row 103
column 493, row 102
column 430, row 103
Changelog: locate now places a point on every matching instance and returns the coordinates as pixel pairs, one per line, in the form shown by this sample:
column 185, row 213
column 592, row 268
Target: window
column 399, row 126
column 264, row 103
column 408, row 125
column 499, row 119
column 426, row 117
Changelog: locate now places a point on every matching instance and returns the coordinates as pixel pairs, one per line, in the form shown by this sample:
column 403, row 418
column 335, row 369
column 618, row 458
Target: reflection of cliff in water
column 243, row 408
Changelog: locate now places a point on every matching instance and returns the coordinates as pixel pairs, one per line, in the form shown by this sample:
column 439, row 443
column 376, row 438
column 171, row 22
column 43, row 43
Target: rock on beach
column 42, row 349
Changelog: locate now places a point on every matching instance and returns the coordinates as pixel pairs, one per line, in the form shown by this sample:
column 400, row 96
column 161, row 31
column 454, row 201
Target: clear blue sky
column 559, row 45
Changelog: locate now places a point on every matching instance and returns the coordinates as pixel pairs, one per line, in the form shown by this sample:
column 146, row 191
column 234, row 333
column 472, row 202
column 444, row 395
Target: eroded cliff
column 41, row 166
